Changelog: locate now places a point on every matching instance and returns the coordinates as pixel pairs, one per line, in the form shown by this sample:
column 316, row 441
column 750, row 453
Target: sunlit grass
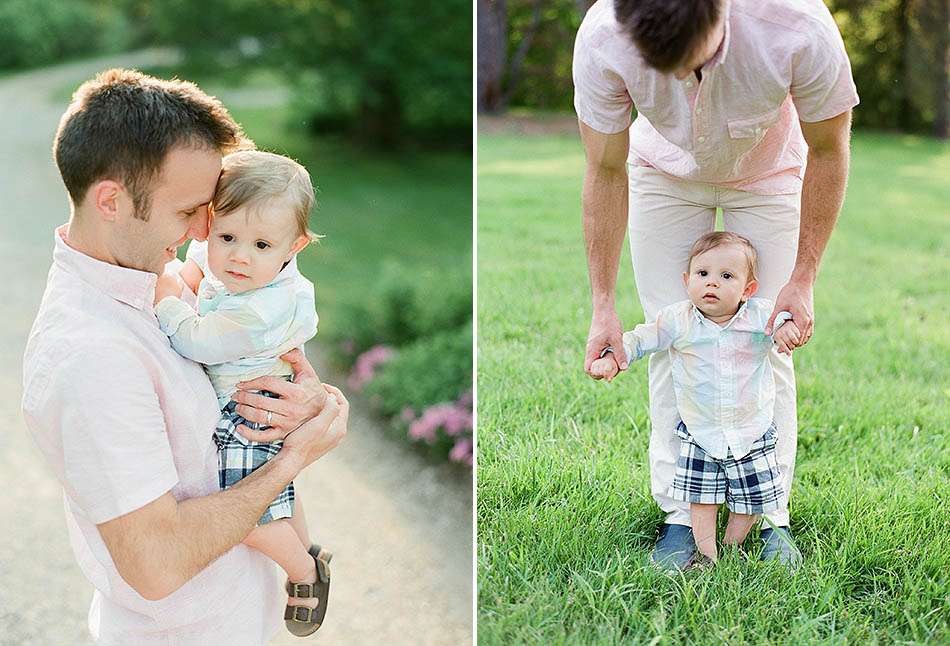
column 566, row 521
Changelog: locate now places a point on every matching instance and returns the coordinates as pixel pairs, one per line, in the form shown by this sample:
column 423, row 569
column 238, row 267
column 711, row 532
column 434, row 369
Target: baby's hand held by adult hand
column 604, row 368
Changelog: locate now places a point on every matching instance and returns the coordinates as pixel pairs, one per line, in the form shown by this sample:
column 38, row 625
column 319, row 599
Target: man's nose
column 199, row 225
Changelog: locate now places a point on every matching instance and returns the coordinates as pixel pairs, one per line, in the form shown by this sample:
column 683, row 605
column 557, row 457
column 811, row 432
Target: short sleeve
column 601, row 99
column 822, row 86
column 116, row 454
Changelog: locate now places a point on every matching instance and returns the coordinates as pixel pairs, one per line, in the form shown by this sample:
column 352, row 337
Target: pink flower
column 462, row 451
column 465, row 400
column 365, row 368
column 452, row 419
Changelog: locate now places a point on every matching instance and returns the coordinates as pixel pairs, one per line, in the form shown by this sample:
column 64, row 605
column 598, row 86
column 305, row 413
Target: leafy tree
column 386, row 71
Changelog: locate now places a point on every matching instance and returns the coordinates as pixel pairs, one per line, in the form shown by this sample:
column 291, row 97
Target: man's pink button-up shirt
column 781, row 61
column 122, row 419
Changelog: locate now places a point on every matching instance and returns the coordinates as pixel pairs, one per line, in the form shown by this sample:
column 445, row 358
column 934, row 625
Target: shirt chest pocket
column 749, row 131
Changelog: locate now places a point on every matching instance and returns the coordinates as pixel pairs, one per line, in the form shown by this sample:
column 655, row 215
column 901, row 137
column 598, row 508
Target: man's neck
column 86, row 242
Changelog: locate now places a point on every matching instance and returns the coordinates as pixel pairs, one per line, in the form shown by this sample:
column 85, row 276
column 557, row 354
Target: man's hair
column 723, row 239
column 257, row 179
column 122, row 124
column 666, row 32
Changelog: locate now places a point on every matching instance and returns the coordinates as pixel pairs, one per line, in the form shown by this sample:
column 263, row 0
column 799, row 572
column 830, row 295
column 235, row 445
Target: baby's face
column 718, row 279
column 248, row 248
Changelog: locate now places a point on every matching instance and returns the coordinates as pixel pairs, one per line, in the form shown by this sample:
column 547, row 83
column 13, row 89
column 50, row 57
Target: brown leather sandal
column 301, row 620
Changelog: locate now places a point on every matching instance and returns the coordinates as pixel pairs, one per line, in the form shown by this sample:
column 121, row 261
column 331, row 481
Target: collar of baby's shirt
column 284, row 278
column 132, row 287
column 703, row 319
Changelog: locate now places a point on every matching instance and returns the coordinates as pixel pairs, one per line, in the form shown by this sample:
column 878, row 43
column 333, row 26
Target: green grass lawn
column 565, row 518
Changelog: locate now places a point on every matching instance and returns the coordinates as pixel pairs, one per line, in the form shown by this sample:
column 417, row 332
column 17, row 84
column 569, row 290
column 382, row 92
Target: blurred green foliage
column 388, row 72
column 430, row 370
column 409, row 303
column 39, row 32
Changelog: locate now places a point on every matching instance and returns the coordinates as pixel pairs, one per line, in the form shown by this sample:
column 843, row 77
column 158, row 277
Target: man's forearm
column 826, row 177
column 604, row 204
column 186, row 536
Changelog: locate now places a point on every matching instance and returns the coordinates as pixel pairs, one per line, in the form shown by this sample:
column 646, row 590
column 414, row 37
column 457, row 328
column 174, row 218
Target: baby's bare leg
column 279, row 541
column 738, row 528
column 703, row 518
column 299, row 521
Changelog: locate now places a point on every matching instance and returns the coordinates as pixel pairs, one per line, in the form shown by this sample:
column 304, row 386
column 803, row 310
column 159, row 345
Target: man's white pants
column 667, row 215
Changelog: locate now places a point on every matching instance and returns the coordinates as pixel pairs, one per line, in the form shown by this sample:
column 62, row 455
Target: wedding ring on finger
column 269, row 416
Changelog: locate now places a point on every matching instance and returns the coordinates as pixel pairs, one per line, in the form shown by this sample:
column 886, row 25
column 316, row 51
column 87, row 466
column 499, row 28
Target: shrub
column 405, row 305
column 426, row 372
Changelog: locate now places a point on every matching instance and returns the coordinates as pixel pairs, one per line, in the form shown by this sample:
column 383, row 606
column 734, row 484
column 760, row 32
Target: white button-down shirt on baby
column 121, row 419
column 722, row 378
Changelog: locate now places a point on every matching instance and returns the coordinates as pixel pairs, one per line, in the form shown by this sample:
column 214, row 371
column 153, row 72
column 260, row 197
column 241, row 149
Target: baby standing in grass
column 253, row 305
column 724, row 387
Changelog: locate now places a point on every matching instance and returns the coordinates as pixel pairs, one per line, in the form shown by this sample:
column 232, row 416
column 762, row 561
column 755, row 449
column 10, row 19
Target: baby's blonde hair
column 254, row 178
column 722, row 239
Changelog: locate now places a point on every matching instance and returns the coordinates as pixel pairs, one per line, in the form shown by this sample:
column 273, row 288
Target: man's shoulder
column 600, row 32
column 800, row 16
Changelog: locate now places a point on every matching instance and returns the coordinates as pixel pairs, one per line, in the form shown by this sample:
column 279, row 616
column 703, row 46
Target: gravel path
column 400, row 528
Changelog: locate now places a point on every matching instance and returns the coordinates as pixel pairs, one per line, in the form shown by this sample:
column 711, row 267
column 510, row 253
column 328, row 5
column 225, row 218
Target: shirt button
column 699, row 110
column 701, row 139
column 758, row 131
column 689, row 84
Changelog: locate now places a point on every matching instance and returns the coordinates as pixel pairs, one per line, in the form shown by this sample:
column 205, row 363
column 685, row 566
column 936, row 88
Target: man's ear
column 751, row 288
column 107, row 196
column 299, row 245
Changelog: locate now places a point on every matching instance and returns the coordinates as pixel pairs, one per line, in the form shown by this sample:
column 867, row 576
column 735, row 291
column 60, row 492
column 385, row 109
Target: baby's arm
column 169, row 284
column 217, row 337
column 191, row 274
column 643, row 340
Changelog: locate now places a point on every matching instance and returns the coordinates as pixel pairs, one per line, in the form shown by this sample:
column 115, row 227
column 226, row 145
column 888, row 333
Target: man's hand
column 787, row 337
column 300, row 400
column 168, row 285
column 317, row 437
column 796, row 297
column 605, row 330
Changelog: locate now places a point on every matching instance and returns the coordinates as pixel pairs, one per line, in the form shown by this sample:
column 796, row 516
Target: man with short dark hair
column 743, row 105
column 126, row 423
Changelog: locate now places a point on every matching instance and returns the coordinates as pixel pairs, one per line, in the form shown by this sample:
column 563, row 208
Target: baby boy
column 724, row 387
column 253, row 305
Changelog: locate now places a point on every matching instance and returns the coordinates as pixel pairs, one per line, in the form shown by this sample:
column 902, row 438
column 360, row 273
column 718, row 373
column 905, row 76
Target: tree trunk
column 492, row 53
column 942, row 73
column 517, row 61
